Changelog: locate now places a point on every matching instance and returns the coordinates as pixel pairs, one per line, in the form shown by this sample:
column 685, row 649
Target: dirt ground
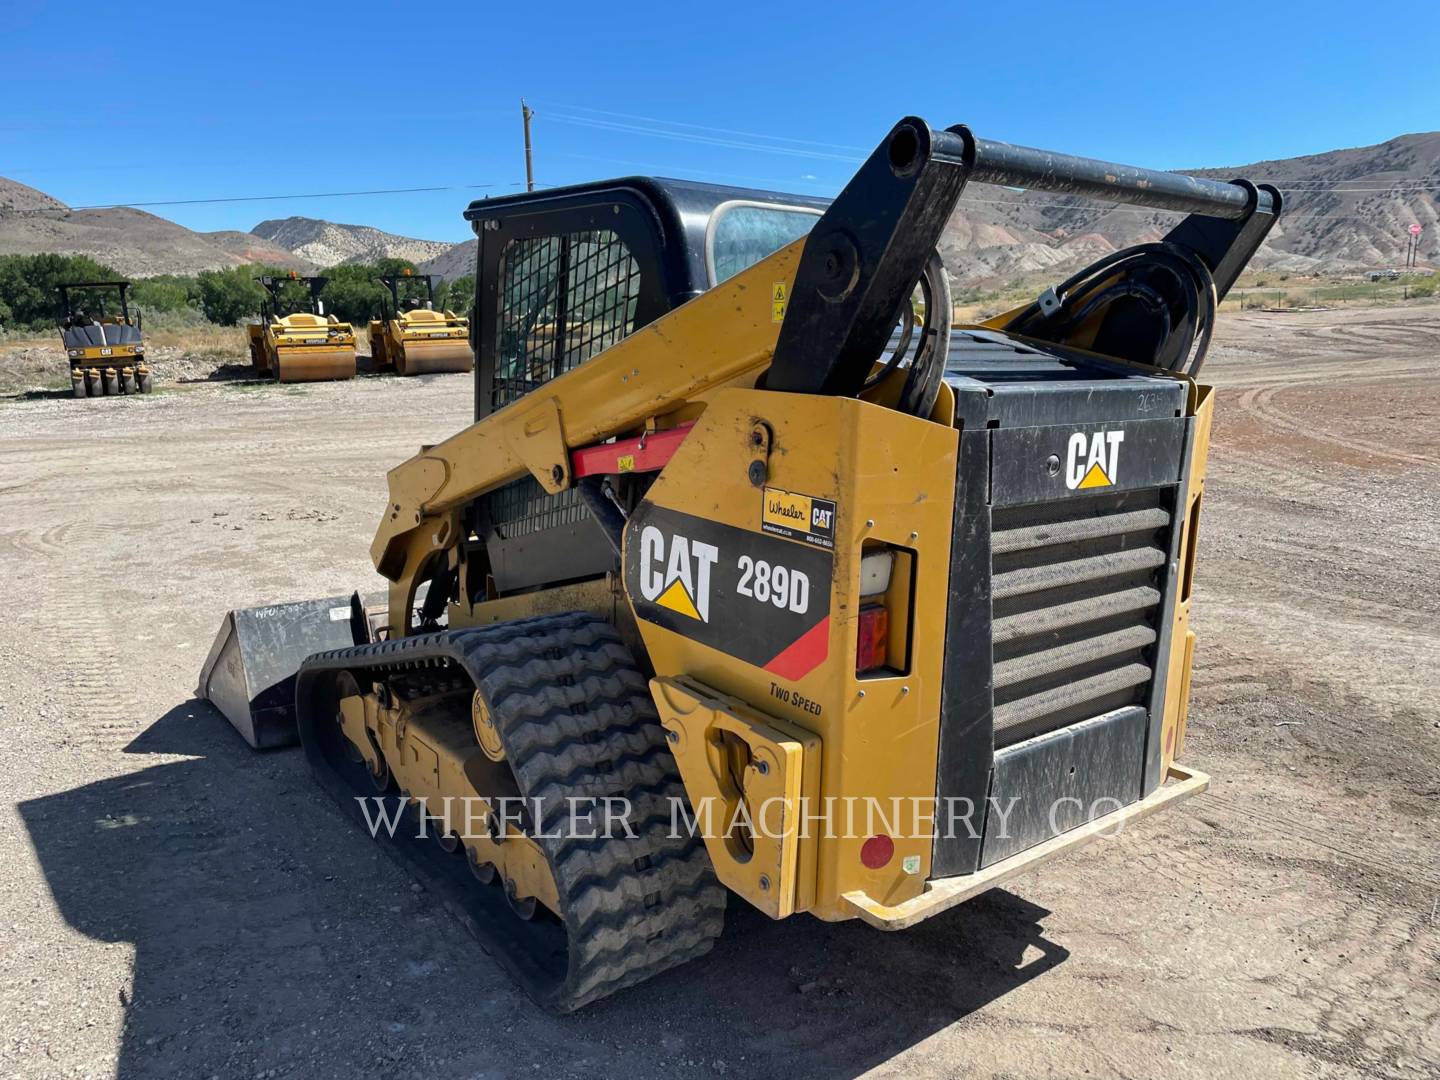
column 173, row 904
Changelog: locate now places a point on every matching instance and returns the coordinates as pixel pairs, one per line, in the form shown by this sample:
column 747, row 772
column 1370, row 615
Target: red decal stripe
column 804, row 654
column 650, row 453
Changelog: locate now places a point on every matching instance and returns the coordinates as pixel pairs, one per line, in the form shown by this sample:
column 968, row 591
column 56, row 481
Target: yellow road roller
column 411, row 337
column 300, row 345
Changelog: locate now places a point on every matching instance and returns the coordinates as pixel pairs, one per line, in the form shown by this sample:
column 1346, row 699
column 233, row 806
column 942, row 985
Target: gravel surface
column 173, row 904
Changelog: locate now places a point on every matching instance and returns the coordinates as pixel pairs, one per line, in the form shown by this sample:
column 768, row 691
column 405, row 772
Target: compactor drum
column 755, row 573
column 300, row 345
column 104, row 344
column 411, row 337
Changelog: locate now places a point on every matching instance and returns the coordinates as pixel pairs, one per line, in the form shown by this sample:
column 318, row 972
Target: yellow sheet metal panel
column 1182, row 638
column 887, row 478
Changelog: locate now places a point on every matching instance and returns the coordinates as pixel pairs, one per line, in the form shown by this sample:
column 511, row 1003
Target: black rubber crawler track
column 577, row 722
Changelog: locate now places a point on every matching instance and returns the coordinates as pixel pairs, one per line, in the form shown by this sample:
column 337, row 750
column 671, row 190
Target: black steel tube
column 1064, row 174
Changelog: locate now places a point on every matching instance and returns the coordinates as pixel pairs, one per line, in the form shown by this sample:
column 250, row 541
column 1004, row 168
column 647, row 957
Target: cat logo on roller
column 678, row 579
column 1093, row 459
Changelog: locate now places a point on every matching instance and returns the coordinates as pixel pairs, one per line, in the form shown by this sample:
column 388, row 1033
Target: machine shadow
column 269, row 933
column 236, row 371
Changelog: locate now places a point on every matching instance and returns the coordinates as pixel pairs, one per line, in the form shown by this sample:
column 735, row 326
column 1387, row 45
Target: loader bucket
column 250, row 672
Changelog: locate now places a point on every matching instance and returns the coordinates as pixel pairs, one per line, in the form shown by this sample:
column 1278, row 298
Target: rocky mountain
column 140, row 244
column 134, row 242
column 456, row 262
column 16, row 198
column 249, row 248
column 326, row 243
column 1356, row 205
column 1344, row 210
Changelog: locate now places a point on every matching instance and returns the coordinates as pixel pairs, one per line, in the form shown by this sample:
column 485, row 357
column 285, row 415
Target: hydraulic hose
column 927, row 368
column 1167, row 281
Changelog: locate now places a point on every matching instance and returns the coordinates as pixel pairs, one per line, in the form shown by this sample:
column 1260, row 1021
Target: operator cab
column 85, row 322
column 565, row 273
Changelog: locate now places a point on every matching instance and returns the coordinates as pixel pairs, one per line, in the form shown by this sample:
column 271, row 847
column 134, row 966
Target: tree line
column 29, row 300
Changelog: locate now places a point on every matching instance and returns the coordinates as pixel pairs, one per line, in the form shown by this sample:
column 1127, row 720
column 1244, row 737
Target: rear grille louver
column 1076, row 591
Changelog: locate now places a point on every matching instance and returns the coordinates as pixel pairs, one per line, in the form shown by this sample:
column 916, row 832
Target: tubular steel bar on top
column 1043, row 170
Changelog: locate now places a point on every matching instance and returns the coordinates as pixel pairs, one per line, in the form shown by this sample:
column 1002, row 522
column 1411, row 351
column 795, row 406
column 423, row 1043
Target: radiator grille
column 1076, row 592
column 523, row 508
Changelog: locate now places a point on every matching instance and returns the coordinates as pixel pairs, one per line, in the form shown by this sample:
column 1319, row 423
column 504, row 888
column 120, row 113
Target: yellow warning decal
column 1095, row 477
column 626, row 462
column 677, row 599
column 778, row 295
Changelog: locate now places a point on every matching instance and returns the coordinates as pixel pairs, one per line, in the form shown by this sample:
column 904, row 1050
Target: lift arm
column 845, row 284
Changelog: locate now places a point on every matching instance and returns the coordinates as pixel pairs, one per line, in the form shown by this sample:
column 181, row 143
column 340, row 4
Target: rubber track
column 577, row 721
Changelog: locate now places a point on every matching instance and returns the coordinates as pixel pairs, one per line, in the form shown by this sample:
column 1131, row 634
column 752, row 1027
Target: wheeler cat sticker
column 798, row 517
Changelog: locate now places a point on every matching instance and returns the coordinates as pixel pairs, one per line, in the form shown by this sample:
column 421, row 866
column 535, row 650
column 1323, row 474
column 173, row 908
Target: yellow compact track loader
column 300, row 346
column 756, row 573
column 411, row 337
column 106, row 348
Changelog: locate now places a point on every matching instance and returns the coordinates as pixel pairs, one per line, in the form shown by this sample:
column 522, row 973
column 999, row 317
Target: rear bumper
column 944, row 893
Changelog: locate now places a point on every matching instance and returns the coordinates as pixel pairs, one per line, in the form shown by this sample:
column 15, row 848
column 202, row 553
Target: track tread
column 576, row 719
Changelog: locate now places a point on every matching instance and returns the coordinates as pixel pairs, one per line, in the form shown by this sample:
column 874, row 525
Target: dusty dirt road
column 174, row 904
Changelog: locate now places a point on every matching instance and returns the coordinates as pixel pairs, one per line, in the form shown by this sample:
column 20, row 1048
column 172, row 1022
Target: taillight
column 873, row 644
column 874, row 638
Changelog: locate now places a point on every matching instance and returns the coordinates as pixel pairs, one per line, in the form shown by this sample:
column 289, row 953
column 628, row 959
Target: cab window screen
column 746, row 234
column 563, row 300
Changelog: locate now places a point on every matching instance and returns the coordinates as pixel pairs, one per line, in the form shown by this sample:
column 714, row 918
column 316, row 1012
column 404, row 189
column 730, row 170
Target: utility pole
column 525, row 114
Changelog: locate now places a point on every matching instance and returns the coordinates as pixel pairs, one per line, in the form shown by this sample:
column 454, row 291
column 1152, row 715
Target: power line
column 726, row 137
column 715, row 130
column 250, row 198
column 703, row 140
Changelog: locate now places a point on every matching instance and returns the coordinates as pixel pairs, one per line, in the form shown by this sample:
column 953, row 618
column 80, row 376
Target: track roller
column 482, row 871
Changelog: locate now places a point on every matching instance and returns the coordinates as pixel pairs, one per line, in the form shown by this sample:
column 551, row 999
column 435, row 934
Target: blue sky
column 194, row 100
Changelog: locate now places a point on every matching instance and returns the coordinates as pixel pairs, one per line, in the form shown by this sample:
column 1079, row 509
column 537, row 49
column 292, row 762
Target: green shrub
column 352, row 293
column 227, row 296
column 29, row 284
column 168, row 292
column 457, row 295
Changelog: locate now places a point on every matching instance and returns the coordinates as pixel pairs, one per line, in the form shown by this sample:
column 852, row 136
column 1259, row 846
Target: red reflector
column 873, row 638
column 877, row 851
